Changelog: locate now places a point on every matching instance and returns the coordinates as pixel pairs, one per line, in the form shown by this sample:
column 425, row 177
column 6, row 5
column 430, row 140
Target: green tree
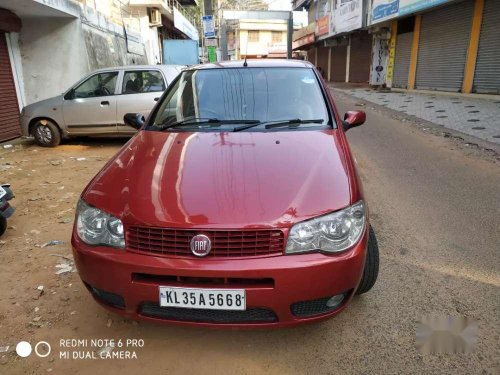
column 243, row 4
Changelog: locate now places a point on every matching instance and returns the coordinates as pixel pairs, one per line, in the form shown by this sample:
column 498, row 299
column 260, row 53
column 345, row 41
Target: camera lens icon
column 42, row 349
column 23, row 349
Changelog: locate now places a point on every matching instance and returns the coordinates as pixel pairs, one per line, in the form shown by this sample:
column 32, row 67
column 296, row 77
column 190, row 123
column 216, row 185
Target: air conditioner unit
column 154, row 17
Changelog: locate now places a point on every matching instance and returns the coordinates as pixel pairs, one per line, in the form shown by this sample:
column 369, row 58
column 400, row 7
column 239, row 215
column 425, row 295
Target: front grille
column 174, row 280
column 251, row 315
column 225, row 243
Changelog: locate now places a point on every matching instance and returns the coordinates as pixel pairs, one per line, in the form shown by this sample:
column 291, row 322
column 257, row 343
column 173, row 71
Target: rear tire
column 46, row 133
column 370, row 271
column 3, row 225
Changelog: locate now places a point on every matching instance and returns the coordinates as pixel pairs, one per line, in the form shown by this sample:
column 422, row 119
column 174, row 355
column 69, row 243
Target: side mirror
column 135, row 120
column 353, row 118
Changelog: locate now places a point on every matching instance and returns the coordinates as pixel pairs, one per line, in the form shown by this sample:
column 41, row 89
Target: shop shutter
column 338, row 63
column 442, row 51
column 487, row 74
column 323, row 60
column 311, row 55
column 360, row 59
column 9, row 113
column 402, row 60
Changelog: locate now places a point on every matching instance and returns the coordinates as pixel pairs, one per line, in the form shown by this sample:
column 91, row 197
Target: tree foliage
column 244, row 5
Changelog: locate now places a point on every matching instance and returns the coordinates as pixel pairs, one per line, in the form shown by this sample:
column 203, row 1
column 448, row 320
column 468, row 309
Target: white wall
column 57, row 52
column 53, row 53
column 150, row 39
column 53, row 56
column 17, row 69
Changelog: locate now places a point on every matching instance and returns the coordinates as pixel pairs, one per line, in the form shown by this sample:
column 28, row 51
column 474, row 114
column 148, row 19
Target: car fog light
column 335, row 300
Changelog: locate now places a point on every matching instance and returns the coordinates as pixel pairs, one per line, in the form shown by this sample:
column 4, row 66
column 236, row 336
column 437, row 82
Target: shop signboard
column 181, row 23
column 348, row 16
column 412, row 6
column 212, row 54
column 323, row 25
column 380, row 56
column 383, row 10
column 208, row 26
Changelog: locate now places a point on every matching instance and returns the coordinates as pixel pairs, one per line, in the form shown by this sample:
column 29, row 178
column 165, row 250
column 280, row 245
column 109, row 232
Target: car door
column 90, row 107
column 140, row 90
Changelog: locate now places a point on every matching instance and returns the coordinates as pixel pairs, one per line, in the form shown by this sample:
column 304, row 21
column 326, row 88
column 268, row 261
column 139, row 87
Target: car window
column 102, row 84
column 140, row 81
column 264, row 94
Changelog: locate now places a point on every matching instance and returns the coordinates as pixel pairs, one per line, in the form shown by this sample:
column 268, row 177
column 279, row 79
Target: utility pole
column 289, row 36
column 207, row 11
column 207, row 8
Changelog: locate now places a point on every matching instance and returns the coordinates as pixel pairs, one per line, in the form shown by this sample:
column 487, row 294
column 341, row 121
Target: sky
column 298, row 17
column 279, row 4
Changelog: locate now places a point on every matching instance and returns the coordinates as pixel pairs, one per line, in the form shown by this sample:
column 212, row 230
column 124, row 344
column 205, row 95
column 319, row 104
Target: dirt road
column 435, row 206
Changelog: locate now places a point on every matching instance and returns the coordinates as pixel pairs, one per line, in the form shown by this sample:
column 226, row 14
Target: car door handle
column 104, row 102
column 156, row 99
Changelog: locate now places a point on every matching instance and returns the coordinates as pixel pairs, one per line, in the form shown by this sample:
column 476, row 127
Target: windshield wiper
column 206, row 121
column 292, row 123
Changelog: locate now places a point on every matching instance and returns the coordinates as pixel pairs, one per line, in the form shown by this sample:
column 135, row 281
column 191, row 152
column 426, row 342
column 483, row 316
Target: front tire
column 3, row 225
column 46, row 133
column 370, row 272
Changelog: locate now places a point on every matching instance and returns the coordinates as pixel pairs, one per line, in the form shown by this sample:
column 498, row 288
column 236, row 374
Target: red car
column 236, row 204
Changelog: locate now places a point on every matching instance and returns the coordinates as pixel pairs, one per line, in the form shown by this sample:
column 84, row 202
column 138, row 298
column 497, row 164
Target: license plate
column 195, row 298
column 2, row 192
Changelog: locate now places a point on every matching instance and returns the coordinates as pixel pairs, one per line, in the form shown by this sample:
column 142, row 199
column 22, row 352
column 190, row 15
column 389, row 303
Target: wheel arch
column 36, row 119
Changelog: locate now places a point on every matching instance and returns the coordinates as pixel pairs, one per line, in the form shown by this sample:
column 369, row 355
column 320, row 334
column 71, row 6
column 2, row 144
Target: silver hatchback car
column 95, row 106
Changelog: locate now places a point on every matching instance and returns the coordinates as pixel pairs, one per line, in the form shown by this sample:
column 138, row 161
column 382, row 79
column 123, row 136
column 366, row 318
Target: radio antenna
column 245, row 64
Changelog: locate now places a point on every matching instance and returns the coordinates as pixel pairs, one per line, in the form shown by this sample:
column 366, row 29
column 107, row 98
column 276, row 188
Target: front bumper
column 273, row 284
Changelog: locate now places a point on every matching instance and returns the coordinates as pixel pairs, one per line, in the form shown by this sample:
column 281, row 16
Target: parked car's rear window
column 263, row 94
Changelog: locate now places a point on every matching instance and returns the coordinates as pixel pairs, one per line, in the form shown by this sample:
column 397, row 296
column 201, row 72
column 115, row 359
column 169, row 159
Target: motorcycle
column 6, row 210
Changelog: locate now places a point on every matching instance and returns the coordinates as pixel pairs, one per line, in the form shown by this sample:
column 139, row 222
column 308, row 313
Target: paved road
column 435, row 209
column 479, row 117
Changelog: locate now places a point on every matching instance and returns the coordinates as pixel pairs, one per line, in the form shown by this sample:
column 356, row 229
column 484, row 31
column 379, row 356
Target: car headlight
column 330, row 233
column 96, row 227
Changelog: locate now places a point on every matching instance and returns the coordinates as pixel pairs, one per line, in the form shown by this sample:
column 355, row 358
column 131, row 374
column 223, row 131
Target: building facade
column 443, row 45
column 453, row 47
column 47, row 45
column 257, row 39
column 336, row 39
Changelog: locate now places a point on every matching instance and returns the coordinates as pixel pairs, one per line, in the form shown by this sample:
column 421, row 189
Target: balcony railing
column 166, row 7
column 300, row 4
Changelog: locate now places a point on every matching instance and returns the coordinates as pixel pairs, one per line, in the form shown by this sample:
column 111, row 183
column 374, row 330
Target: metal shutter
column 442, row 51
column 402, row 60
column 360, row 59
column 9, row 113
column 487, row 75
column 337, row 64
column 311, row 55
column 323, row 60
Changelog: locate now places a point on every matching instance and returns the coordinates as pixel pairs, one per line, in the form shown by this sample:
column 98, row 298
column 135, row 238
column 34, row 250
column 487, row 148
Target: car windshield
column 215, row 99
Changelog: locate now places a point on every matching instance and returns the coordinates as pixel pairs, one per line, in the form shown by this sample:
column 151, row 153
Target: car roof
column 139, row 67
column 254, row 63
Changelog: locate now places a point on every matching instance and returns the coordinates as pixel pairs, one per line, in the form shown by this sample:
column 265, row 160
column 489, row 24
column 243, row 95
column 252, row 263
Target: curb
column 492, row 149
